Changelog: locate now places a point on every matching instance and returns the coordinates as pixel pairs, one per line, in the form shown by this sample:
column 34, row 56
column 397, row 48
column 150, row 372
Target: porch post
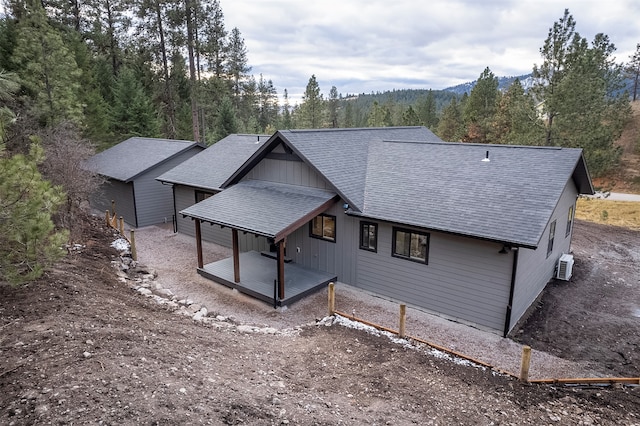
column 236, row 256
column 281, row 244
column 199, row 244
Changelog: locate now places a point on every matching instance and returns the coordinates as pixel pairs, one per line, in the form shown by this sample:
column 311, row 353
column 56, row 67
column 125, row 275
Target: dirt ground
column 81, row 347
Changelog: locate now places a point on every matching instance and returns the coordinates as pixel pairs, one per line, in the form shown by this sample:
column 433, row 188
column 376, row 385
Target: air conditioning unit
column 564, row 267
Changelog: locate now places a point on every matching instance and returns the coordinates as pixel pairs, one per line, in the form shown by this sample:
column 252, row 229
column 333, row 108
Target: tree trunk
column 192, row 70
column 165, row 68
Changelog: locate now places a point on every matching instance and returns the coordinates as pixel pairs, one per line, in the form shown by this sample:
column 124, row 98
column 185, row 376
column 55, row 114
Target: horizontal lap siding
column 465, row 279
column 154, row 200
column 122, row 194
column 535, row 269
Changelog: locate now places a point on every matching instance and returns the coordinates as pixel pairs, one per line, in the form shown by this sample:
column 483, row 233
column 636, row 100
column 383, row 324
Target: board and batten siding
column 535, row 269
column 154, row 200
column 286, row 171
column 337, row 258
column 465, row 279
column 122, row 194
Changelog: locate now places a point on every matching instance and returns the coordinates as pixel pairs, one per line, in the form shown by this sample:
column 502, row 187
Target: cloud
column 372, row 45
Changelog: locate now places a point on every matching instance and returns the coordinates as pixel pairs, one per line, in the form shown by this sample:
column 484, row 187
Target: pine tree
column 237, row 65
column 480, row 107
column 132, row 113
column 427, row 111
column 410, row 117
column 516, row 121
column 225, row 122
column 312, row 109
column 286, row 111
column 214, row 39
column 47, row 68
column 379, row 116
column 633, row 70
column 267, row 104
column 450, row 126
column 333, row 107
column 29, row 241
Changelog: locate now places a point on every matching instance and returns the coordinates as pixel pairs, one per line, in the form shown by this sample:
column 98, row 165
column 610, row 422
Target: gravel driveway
column 173, row 256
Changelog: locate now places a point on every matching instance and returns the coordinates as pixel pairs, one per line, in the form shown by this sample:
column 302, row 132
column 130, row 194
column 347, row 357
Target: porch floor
column 257, row 275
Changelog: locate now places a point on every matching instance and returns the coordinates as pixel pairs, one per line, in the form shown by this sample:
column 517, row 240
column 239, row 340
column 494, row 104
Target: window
column 569, row 221
column 369, row 236
column 323, row 226
column 202, row 195
column 411, row 245
column 552, row 235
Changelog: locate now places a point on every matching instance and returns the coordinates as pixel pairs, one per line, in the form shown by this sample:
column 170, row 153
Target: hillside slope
column 626, row 177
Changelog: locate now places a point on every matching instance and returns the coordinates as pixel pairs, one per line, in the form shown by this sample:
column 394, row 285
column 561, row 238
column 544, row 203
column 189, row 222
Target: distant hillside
column 503, row 84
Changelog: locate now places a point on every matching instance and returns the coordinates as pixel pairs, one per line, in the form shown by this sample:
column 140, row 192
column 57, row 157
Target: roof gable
column 210, row 168
column 134, row 156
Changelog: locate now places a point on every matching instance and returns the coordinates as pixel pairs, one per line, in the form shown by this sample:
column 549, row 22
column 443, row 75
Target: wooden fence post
column 107, row 218
column 332, row 298
column 121, row 225
column 526, row 360
column 403, row 320
column 134, row 253
column 113, row 207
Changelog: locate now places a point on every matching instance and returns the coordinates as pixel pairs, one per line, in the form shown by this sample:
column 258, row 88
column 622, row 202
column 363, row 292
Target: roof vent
column 486, row 158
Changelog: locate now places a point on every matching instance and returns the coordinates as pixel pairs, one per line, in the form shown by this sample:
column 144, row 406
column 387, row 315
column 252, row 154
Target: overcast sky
column 361, row 46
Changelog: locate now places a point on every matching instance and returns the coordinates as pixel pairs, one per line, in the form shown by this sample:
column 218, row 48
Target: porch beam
column 199, row 244
column 306, row 218
column 236, row 256
column 280, row 261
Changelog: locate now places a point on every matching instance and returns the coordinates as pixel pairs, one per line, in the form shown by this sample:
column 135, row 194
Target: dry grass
column 618, row 213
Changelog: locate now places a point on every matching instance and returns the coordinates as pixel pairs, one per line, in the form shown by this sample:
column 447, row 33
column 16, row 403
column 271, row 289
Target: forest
column 78, row 76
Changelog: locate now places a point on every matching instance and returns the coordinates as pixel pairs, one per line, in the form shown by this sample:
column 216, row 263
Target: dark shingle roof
column 244, row 206
column 446, row 186
column 210, row 168
column 128, row 159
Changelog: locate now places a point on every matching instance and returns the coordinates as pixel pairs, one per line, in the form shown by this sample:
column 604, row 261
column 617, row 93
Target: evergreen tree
column 225, row 122
column 450, row 126
column 333, row 107
column 580, row 87
column 516, row 121
column 379, row 116
column 312, row 109
column 349, row 120
column 47, row 68
column 427, row 111
column 633, row 70
column 410, row 117
column 237, row 65
column 29, row 241
column 214, row 39
column 267, row 104
column 132, row 112
column 286, row 111
column 480, row 107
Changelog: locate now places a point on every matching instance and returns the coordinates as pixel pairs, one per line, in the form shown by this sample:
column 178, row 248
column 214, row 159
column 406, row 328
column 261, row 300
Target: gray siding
column 154, row 201
column 185, row 196
column 535, row 269
column 465, row 279
column 284, row 171
column 122, row 194
column 338, row 258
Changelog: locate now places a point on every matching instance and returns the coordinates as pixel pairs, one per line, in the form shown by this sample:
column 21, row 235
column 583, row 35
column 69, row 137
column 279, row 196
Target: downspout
column 514, row 271
column 135, row 208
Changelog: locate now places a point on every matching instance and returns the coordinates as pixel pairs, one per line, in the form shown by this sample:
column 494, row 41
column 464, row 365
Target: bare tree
column 66, row 151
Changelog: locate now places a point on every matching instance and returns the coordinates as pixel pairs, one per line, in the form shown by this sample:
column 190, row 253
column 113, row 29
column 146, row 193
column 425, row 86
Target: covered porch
column 258, row 278
column 268, row 209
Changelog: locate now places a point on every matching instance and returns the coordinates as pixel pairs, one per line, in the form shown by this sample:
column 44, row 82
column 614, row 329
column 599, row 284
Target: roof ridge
column 496, row 145
column 349, row 129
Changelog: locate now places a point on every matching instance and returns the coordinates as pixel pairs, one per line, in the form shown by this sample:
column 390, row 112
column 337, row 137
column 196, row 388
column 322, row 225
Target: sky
column 364, row 46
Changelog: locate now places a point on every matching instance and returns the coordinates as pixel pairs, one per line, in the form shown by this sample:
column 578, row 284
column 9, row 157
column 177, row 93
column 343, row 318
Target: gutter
column 514, row 271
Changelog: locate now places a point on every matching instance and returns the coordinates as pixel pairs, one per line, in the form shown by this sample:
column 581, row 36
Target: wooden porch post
column 236, row 256
column 199, row 244
column 281, row 245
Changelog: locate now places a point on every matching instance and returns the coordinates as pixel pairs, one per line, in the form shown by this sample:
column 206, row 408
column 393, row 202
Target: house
column 202, row 176
column 130, row 169
column 470, row 232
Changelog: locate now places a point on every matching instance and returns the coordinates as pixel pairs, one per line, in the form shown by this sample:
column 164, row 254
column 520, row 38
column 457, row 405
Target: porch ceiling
column 270, row 209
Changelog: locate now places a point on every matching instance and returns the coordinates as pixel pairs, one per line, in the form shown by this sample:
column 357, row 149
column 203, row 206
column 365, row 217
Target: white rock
column 144, row 291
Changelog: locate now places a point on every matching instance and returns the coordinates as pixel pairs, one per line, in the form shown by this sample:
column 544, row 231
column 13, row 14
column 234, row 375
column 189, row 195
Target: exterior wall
column 535, row 269
column 154, row 201
column 338, row 258
column 286, row 171
column 465, row 279
column 122, row 194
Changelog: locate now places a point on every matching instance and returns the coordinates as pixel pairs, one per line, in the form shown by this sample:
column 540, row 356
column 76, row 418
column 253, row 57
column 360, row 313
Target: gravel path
column 173, row 256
